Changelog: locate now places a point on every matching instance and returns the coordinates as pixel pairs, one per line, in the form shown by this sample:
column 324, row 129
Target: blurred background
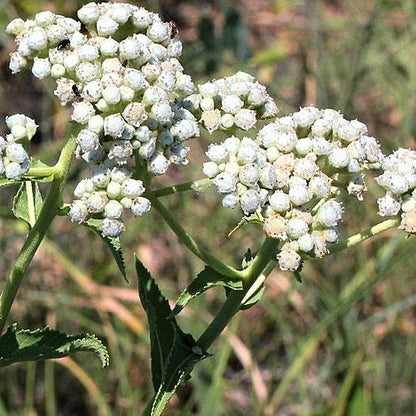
column 343, row 342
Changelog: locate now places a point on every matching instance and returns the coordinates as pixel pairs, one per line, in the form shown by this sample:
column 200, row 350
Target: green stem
column 364, row 235
column 191, row 244
column 30, row 388
column 37, row 233
column 254, row 276
column 230, row 307
column 267, row 252
column 50, row 401
column 197, row 186
column 42, row 172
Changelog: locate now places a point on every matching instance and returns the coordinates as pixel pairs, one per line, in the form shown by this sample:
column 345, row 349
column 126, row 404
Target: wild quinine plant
column 134, row 113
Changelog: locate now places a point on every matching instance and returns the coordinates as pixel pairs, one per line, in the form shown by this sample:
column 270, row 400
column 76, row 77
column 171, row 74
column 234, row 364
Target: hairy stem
column 37, row 233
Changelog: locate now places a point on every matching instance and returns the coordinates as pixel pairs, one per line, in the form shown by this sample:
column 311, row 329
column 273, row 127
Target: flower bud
column 106, row 26
column 132, row 188
column 113, row 209
column 114, row 125
column 38, row 39
column 388, row 206
column 250, row 201
column 289, row 260
column 78, row 211
column 87, row 140
column 230, row 200
column 89, row 13
column 41, row 67
column 245, row 119
column 111, row 228
column 305, row 243
column 14, row 170
column 88, row 53
column 140, row 206
column 158, row 164
column 15, row 152
column 329, row 213
column 82, row 112
column 296, row 227
column 109, row 47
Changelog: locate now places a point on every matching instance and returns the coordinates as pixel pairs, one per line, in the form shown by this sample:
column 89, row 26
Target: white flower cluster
column 108, row 192
column 118, row 67
column 287, row 173
column 399, row 181
column 14, row 160
column 234, row 101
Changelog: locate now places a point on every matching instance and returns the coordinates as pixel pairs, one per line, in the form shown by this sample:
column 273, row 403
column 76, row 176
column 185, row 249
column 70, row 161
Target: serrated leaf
column 184, row 355
column 112, row 243
column 28, row 202
column 173, row 352
column 162, row 329
column 206, row 279
column 45, row 343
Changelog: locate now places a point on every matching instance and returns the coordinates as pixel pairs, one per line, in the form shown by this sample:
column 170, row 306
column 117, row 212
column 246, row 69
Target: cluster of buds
column 290, row 174
column 234, row 101
column 399, row 181
column 14, row 160
column 118, row 67
column 107, row 193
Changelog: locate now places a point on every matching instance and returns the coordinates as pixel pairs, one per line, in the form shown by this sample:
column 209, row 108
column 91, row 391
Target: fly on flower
column 63, row 44
column 75, row 90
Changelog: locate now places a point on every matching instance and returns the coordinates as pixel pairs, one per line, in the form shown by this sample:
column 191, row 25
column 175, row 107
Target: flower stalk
column 37, row 233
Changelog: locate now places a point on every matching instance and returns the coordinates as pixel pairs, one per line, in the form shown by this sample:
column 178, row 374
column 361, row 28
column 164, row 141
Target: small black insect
column 173, row 29
column 75, row 90
column 63, row 44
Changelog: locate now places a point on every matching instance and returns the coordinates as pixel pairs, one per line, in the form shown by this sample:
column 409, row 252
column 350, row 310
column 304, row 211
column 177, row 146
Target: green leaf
column 206, row 279
column 173, row 352
column 162, row 330
column 235, row 34
column 112, row 243
column 28, row 202
column 298, row 276
column 184, row 355
column 45, row 343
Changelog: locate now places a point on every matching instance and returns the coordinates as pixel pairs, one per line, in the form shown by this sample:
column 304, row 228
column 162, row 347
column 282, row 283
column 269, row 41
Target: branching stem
column 191, row 244
column 37, row 233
